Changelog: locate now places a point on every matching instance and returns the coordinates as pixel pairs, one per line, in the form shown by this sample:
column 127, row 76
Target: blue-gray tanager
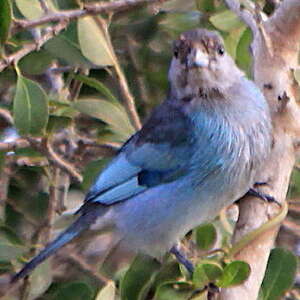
column 199, row 151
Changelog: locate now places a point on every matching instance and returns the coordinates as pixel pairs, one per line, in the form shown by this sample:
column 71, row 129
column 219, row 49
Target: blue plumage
column 199, row 151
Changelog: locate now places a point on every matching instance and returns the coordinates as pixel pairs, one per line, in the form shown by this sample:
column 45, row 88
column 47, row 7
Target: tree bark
column 275, row 49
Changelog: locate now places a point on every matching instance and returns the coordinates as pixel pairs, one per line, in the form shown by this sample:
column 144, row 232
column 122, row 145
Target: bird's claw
column 262, row 196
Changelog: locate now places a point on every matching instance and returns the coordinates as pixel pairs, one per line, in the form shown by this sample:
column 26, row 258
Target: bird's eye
column 221, row 50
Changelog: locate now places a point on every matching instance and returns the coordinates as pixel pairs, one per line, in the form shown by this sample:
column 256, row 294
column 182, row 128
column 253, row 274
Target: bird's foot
column 211, row 289
column 265, row 197
column 181, row 258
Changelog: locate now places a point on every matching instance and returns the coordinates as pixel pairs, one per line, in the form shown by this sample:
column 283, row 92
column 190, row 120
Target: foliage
column 69, row 100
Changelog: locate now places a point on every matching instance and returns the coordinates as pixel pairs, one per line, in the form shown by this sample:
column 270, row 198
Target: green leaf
column 74, row 291
column 206, row 236
column 280, row 274
column 176, row 290
column 234, row 273
column 30, row 107
column 56, row 123
column 206, row 6
column 40, row 280
column 35, row 62
column 31, row 9
column 110, row 113
column 225, row 20
column 135, row 282
column 243, row 57
column 5, row 20
column 66, row 48
column 93, row 43
column 205, row 273
column 107, row 293
column 232, row 39
column 96, row 84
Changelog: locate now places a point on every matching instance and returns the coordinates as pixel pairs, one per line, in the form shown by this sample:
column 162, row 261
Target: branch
column 45, row 148
column 15, row 57
column 12, row 146
column 89, row 9
column 275, row 55
column 243, row 13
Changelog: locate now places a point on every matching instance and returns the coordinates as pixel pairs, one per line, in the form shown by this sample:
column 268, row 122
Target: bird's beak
column 201, row 59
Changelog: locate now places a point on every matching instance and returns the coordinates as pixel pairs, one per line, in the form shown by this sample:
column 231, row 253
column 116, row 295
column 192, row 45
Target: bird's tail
column 83, row 222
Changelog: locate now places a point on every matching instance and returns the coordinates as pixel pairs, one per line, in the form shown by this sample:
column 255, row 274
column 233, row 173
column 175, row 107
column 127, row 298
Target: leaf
column 30, row 107
column 31, row 9
column 234, row 273
column 206, row 236
column 56, row 123
column 66, row 47
column 5, row 20
column 280, row 274
column 96, row 84
column 205, row 273
column 110, row 113
column 107, row 293
column 93, row 43
column 35, row 62
column 205, row 6
column 243, row 57
column 232, row 39
column 136, row 280
column 176, row 290
column 74, row 291
column 40, row 280
column 225, row 20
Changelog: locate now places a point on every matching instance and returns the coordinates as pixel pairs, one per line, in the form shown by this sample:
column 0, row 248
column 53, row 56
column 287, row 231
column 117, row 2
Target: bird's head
column 200, row 64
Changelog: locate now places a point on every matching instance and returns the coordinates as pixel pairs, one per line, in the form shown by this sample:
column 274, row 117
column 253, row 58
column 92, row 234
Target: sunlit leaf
column 31, row 9
column 107, row 293
column 5, row 20
column 234, row 273
column 30, row 107
column 108, row 112
column 280, row 274
column 93, row 43
column 226, row 20
column 206, row 236
column 243, row 57
column 136, row 281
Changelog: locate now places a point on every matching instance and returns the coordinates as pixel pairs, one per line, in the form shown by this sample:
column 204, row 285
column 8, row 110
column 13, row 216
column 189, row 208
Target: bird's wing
column 158, row 153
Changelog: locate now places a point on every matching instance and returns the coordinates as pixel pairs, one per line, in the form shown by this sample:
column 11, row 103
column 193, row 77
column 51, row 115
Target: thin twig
column 86, row 268
column 45, row 148
column 90, row 9
column 129, row 102
column 12, row 146
column 30, row 47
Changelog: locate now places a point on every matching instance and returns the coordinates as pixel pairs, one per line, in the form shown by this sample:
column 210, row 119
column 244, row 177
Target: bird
column 200, row 150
